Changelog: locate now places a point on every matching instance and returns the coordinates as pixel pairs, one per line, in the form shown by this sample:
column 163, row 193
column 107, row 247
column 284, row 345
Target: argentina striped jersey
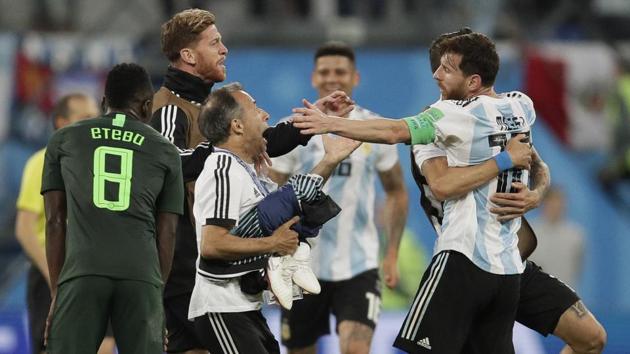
column 471, row 132
column 348, row 244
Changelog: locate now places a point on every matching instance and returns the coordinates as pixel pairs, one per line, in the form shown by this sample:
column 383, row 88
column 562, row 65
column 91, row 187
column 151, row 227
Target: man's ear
column 237, row 126
column 147, row 105
column 188, row 56
column 475, row 83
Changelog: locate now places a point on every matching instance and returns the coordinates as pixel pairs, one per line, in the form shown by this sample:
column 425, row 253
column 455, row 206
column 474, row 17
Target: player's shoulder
column 223, row 160
column 517, row 96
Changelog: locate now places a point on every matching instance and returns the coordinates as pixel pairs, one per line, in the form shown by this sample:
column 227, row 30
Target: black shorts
column 356, row 299
column 181, row 332
column 460, row 308
column 236, row 332
column 38, row 302
column 544, row 298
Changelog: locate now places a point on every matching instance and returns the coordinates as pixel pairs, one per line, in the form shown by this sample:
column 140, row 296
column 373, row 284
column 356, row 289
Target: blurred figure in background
column 618, row 111
column 561, row 251
column 30, row 224
column 345, row 255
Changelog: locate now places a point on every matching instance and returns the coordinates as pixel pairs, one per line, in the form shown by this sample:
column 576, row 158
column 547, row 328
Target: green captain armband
column 422, row 126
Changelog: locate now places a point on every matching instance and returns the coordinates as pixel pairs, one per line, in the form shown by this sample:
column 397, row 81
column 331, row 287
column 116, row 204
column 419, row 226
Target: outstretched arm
column 380, row 130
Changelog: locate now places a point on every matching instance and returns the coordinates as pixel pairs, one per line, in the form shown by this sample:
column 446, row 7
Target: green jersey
column 117, row 173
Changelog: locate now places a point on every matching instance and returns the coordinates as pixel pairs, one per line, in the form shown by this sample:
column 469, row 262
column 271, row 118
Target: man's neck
column 186, row 68
column 484, row 91
column 238, row 148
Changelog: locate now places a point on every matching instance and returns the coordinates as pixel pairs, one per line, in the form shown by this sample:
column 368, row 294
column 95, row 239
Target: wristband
column 504, row 161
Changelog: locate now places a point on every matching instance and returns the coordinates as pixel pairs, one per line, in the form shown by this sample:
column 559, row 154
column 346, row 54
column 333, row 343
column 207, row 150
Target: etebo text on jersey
column 117, row 134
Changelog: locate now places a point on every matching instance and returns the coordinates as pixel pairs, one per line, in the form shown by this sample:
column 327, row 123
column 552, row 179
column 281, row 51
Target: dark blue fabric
column 280, row 206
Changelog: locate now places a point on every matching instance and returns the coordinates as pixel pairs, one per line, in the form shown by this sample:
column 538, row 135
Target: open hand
column 337, row 103
column 311, row 121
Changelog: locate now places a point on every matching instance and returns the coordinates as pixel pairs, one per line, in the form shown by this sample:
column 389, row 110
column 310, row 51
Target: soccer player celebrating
column 546, row 304
column 112, row 191
column 345, row 255
column 469, row 294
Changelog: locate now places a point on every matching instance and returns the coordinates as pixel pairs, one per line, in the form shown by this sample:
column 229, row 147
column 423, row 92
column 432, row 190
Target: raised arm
column 335, row 151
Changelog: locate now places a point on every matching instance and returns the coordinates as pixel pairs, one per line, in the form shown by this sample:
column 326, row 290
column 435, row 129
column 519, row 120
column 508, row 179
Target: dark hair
column 434, row 48
column 62, row 107
column 335, row 48
column 218, row 112
column 182, row 30
column 479, row 55
column 127, row 83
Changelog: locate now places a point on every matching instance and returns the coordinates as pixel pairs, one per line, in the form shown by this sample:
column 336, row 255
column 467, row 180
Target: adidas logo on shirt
column 424, row 343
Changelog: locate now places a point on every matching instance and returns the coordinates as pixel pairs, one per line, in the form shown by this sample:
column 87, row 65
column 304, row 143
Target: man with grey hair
column 228, row 319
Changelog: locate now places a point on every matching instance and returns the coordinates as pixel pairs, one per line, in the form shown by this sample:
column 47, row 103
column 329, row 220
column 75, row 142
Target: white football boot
column 303, row 275
column 279, row 276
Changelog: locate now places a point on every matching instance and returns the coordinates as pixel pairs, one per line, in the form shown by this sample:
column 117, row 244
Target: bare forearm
column 230, row 247
column 27, row 237
column 382, row 131
column 396, row 208
column 166, row 231
column 325, row 168
column 55, row 250
column 461, row 180
column 541, row 178
column 35, row 252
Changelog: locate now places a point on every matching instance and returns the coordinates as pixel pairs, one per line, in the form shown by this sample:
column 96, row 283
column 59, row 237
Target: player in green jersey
column 118, row 183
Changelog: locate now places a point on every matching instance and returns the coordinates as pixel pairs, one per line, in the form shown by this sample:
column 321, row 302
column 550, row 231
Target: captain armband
column 422, row 126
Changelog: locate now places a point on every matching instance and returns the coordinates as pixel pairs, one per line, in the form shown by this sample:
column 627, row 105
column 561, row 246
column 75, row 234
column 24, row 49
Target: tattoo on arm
column 540, row 174
column 580, row 309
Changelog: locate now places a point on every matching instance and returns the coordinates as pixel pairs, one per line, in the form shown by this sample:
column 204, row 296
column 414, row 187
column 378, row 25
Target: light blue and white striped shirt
column 348, row 244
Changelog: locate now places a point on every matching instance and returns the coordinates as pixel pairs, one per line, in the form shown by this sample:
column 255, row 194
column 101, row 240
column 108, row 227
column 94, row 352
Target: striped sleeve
column 307, row 187
column 222, row 192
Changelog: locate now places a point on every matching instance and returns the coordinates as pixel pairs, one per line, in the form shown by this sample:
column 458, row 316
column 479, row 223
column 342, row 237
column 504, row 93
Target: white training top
column 471, row 132
column 348, row 244
column 224, row 192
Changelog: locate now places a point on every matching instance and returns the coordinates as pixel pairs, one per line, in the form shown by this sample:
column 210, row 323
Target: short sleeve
column 422, row 153
column 387, row 157
column 51, row 176
column 452, row 122
column 171, row 199
column 30, row 198
column 218, row 191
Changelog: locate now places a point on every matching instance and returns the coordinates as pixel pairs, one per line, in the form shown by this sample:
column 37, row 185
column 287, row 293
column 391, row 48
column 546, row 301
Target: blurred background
column 571, row 56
